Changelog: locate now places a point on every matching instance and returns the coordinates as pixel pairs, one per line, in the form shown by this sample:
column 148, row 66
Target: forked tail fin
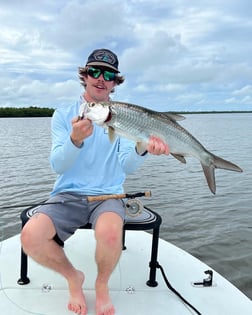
column 217, row 162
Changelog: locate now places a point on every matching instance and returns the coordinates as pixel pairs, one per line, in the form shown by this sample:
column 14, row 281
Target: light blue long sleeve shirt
column 98, row 167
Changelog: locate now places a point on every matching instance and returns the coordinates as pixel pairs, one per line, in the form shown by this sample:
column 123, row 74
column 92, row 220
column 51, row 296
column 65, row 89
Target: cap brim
column 104, row 64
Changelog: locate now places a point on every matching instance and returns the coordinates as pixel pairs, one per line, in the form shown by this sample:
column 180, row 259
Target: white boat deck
column 47, row 292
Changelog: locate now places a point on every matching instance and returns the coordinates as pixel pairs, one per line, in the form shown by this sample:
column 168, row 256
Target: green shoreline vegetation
column 26, row 112
column 33, row 111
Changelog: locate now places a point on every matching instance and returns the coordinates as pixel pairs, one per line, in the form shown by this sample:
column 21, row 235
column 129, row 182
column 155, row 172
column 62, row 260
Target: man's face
column 98, row 89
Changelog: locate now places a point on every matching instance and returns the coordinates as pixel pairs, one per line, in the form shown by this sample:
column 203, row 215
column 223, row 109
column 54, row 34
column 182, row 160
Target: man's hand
column 81, row 129
column 155, row 146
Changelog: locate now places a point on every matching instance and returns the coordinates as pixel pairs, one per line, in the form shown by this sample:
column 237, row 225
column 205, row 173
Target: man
column 86, row 164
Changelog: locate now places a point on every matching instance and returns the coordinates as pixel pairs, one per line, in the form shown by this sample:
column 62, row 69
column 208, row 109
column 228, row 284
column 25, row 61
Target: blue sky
column 176, row 55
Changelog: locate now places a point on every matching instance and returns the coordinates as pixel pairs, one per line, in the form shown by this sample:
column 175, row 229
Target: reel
column 134, row 207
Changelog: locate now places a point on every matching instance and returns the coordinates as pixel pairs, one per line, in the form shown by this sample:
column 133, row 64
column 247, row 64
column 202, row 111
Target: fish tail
column 217, row 162
column 210, row 177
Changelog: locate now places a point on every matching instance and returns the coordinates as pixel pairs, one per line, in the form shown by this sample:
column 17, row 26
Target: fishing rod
column 87, row 198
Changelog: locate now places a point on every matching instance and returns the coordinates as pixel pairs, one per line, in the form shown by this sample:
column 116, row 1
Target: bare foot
column 77, row 302
column 104, row 305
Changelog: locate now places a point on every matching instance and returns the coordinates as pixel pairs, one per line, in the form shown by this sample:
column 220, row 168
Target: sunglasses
column 107, row 75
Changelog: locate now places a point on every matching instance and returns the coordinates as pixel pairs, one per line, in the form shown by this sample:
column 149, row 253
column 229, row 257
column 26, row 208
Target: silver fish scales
column 139, row 124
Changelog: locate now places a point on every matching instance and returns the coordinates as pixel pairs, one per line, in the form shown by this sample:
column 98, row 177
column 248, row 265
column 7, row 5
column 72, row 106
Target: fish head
column 97, row 112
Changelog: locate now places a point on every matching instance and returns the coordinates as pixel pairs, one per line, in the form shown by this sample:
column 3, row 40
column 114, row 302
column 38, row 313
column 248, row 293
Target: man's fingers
column 157, row 146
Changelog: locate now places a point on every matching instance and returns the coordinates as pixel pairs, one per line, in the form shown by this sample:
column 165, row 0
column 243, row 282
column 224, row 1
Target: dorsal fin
column 175, row 117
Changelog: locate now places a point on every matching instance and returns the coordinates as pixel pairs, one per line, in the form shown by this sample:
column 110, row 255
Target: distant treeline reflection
column 26, row 112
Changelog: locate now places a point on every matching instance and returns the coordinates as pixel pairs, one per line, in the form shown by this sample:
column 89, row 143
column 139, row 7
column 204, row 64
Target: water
column 216, row 229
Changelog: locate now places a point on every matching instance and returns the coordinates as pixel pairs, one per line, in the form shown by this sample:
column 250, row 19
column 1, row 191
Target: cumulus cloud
column 180, row 55
column 23, row 92
column 244, row 91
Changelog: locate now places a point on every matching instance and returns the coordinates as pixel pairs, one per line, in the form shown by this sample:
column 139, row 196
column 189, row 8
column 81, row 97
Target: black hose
column 175, row 291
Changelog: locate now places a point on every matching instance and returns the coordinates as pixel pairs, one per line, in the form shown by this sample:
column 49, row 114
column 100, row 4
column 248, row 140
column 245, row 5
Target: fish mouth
column 83, row 110
column 96, row 112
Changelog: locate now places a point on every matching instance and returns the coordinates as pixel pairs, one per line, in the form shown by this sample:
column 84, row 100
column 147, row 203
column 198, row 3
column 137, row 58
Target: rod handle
column 119, row 196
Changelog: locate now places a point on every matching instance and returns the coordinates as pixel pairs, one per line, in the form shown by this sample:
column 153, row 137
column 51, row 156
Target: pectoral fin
column 111, row 134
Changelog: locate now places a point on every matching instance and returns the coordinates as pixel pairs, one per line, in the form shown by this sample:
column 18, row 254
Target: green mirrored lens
column 108, row 76
column 95, row 73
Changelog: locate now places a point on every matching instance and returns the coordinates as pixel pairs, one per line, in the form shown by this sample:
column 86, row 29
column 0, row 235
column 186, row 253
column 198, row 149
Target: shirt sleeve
column 63, row 153
column 128, row 158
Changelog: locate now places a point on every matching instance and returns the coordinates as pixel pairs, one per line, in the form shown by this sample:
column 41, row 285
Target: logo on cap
column 105, row 56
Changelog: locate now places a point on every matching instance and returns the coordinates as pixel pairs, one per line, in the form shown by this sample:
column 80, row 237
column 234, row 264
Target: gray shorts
column 72, row 211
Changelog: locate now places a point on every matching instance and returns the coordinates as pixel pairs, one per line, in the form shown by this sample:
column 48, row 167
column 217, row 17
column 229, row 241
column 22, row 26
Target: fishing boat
column 152, row 277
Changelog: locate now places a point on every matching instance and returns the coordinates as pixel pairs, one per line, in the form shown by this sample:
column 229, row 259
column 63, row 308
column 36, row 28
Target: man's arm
column 67, row 141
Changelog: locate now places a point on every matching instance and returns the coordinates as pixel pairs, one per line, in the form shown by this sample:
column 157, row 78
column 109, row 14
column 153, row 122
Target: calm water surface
column 215, row 228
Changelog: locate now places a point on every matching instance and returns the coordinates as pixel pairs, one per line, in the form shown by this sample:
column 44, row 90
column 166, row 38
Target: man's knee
column 36, row 231
column 109, row 228
column 28, row 240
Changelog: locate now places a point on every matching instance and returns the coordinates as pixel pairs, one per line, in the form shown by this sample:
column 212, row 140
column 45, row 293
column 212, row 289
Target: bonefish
column 139, row 124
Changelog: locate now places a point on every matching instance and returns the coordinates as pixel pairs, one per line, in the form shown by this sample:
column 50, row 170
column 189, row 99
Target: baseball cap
column 103, row 57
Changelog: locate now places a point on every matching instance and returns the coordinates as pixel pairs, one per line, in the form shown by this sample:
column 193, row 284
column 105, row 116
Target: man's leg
column 108, row 233
column 37, row 241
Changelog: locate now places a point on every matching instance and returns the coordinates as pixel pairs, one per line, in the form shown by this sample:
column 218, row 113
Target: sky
column 175, row 55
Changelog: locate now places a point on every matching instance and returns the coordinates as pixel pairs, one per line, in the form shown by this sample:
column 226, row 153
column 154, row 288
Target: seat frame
column 148, row 220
